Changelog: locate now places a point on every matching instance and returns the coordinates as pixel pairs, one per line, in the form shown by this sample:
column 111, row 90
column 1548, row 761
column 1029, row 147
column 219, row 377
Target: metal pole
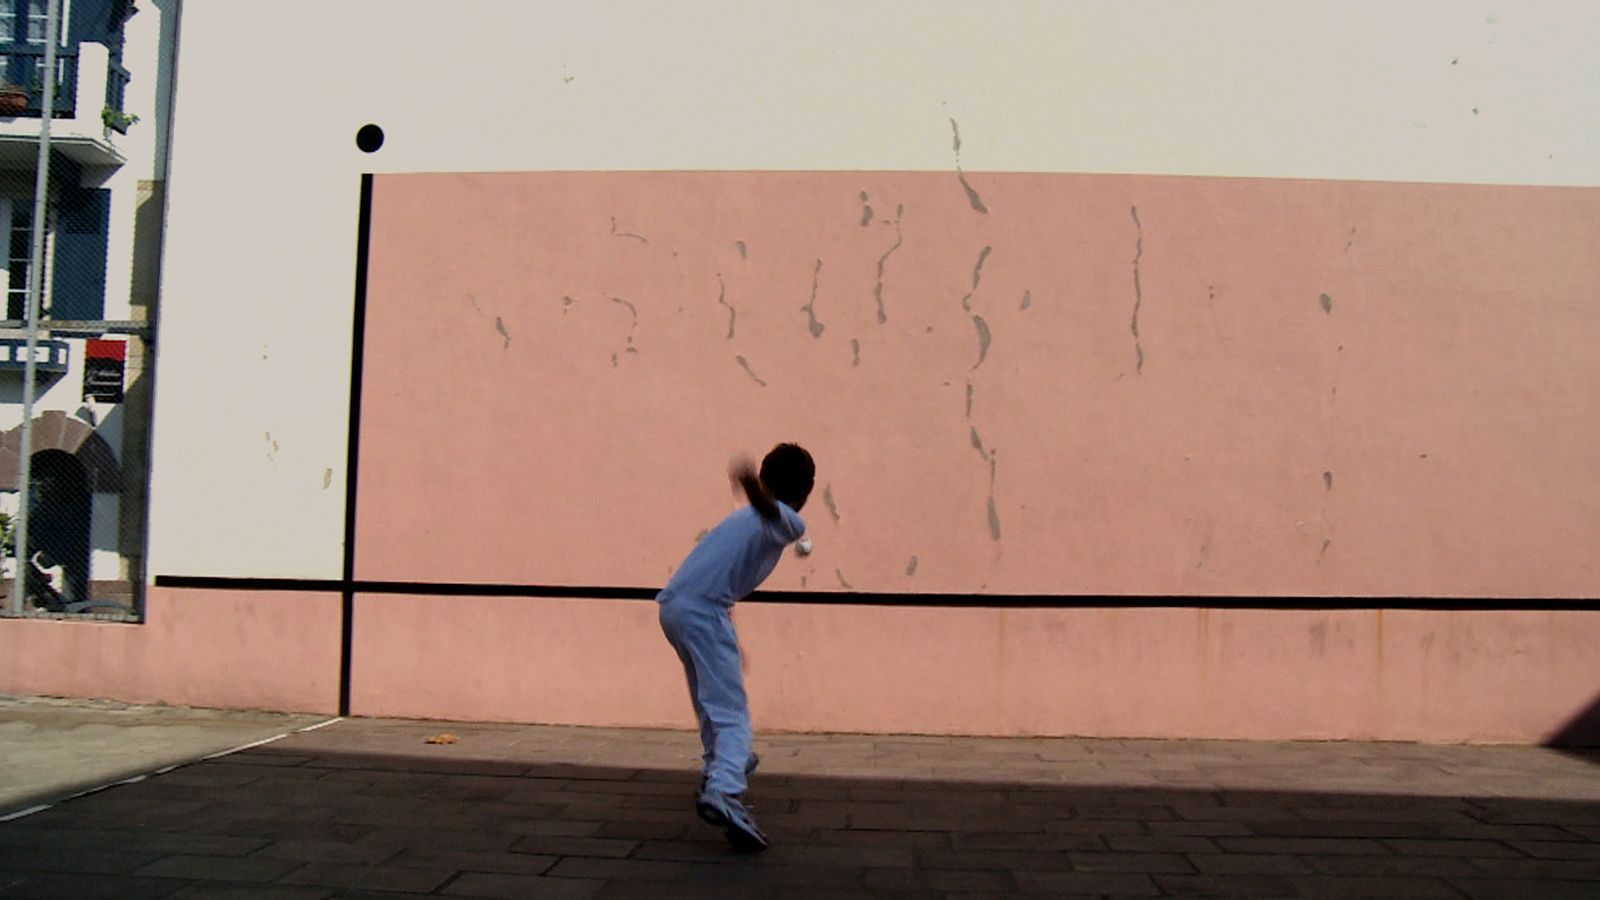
column 41, row 187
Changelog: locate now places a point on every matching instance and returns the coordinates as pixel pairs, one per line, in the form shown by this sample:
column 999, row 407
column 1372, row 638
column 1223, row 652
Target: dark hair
column 789, row 473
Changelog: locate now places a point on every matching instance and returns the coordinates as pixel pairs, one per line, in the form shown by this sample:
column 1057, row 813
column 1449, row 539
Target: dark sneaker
column 727, row 813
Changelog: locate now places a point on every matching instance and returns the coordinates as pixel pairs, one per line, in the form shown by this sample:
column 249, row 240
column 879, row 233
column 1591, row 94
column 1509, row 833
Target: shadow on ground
column 274, row 822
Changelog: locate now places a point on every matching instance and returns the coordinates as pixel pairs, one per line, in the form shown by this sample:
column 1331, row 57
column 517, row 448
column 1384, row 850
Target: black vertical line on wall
column 352, row 453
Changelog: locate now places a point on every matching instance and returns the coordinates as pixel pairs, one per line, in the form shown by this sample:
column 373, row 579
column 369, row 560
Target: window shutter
column 78, row 289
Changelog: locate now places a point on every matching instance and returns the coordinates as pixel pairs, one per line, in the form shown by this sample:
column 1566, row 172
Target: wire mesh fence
column 75, row 340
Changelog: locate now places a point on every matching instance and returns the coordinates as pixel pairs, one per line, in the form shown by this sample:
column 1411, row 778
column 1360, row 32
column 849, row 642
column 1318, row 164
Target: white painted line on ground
column 24, row 812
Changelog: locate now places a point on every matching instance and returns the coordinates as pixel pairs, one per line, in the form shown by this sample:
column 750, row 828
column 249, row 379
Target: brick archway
column 55, row 430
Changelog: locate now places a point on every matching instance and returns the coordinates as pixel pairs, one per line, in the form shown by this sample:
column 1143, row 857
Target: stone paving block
column 1226, row 885
column 1475, row 849
column 1397, row 888
column 1132, row 885
column 1300, row 845
column 219, row 868
column 1248, row 864
column 1015, row 860
column 301, row 850
column 1508, row 889
column 1559, row 849
column 224, row 891
column 1430, row 866
column 919, row 879
column 1025, row 840
column 383, row 878
column 1129, row 862
column 619, row 869
column 105, row 860
column 514, row 887
column 473, row 861
column 1157, row 843
column 557, row 845
column 62, row 886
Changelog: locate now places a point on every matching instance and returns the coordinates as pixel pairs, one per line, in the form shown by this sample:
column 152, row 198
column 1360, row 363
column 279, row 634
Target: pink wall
column 552, row 389
column 1366, row 674
column 227, row 649
column 1102, row 385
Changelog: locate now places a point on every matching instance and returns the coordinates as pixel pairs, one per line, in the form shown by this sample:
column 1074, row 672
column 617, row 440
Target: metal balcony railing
column 21, row 69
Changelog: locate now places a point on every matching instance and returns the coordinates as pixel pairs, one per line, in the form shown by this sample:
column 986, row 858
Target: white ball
column 803, row 546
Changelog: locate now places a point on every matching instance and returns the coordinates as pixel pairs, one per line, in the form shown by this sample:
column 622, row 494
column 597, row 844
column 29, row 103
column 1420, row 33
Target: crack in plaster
column 732, row 313
column 977, row 275
column 626, row 234
column 746, row 366
column 1138, row 291
column 983, row 339
column 972, row 195
column 899, row 237
column 866, row 210
column 810, row 309
column 827, row 499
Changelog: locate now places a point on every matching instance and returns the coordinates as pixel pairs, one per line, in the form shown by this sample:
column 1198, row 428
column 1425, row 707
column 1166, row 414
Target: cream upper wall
column 253, row 375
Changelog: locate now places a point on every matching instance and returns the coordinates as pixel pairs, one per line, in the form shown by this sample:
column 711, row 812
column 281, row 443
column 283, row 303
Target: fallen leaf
column 441, row 739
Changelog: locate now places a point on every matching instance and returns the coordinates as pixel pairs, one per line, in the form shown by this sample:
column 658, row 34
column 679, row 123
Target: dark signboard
column 103, row 366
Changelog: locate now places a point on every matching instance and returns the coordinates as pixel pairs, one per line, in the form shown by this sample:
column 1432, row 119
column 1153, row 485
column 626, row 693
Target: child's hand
column 742, row 472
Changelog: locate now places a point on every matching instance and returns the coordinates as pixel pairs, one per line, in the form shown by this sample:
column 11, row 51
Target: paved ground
column 54, row 748
column 367, row 808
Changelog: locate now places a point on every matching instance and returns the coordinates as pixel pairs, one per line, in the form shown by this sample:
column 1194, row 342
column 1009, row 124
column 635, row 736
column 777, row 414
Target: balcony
column 50, row 357
column 87, row 118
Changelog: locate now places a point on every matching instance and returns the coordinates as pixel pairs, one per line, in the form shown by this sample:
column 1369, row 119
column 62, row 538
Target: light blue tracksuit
column 728, row 563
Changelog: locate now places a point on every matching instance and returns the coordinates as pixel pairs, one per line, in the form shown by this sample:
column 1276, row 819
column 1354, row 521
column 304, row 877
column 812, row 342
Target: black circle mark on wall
column 369, row 138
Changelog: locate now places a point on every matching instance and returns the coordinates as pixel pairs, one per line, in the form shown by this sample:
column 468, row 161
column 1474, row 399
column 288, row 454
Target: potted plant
column 13, row 99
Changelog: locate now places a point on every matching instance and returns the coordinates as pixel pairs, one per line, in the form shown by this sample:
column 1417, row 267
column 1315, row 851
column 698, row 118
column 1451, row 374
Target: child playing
column 728, row 563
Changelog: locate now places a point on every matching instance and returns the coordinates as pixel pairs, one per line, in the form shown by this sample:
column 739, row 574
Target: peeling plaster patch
column 842, row 583
column 1027, row 299
column 327, row 478
column 1327, row 481
column 969, row 399
column 810, row 309
column 911, row 567
column 743, row 253
column 827, row 499
column 1327, row 303
column 972, row 195
column 866, row 210
column 1138, row 291
column 500, row 326
column 983, row 339
column 746, row 366
column 978, row 274
column 566, row 303
column 855, row 350
column 732, row 313
column 994, row 520
column 977, row 441
column 802, row 581
column 626, row 234
column 1324, row 551
column 701, row 535
column 613, row 360
column 899, row 237
column 273, row 444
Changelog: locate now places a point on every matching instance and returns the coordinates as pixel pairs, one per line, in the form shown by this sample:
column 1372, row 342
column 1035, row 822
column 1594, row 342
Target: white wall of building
column 253, row 370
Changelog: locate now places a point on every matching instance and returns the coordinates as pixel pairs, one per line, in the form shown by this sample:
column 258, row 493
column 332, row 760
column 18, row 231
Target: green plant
column 116, row 118
column 8, row 534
